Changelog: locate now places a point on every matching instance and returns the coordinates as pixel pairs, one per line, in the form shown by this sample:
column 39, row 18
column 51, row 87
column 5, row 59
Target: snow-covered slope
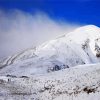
column 26, row 54
column 82, row 46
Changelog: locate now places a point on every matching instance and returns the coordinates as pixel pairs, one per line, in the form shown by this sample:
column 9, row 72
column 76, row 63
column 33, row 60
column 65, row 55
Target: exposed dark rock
column 13, row 76
column 24, row 77
column 89, row 90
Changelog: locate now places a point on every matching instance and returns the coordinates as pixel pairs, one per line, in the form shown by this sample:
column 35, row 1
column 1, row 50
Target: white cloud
column 20, row 30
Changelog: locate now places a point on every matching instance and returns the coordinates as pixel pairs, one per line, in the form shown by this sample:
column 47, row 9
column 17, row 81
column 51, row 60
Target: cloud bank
column 20, row 30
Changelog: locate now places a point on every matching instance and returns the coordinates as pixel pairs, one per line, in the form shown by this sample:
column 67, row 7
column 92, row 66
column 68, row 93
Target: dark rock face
column 56, row 68
column 97, row 49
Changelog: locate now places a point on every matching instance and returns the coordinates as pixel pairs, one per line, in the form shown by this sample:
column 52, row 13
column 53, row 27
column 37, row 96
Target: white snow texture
column 66, row 68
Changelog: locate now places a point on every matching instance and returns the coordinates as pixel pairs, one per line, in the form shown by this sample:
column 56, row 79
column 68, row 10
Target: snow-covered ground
column 76, row 83
column 66, row 68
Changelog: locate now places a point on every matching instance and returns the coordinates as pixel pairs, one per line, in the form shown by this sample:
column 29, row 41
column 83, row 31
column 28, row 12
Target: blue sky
column 75, row 11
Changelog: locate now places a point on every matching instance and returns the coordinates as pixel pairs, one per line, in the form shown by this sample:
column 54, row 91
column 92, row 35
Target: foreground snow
column 77, row 83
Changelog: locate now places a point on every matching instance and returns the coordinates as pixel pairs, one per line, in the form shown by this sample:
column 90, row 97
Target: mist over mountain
column 20, row 30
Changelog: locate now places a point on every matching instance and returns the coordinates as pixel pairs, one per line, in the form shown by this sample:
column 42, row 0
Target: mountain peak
column 90, row 32
column 88, row 27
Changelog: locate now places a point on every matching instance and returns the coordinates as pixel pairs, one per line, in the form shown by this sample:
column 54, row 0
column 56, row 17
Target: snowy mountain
column 66, row 68
column 82, row 46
